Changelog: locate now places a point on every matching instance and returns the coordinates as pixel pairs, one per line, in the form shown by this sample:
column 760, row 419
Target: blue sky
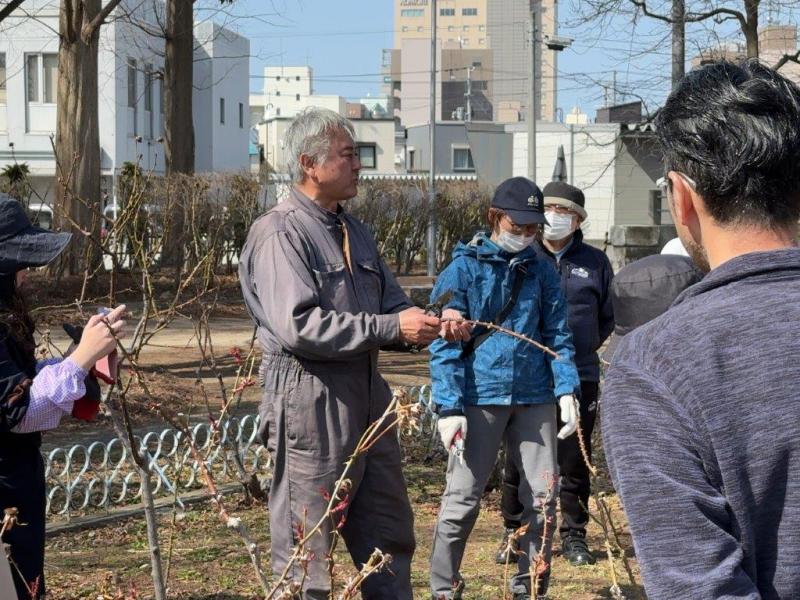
column 342, row 41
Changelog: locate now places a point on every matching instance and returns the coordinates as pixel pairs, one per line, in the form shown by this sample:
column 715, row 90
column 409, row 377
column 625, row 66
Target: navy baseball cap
column 521, row 200
column 22, row 244
column 644, row 290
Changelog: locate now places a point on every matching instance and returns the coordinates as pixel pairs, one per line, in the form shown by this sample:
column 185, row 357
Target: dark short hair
column 735, row 130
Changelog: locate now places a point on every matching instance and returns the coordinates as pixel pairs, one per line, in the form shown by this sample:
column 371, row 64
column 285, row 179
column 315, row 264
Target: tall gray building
column 507, row 24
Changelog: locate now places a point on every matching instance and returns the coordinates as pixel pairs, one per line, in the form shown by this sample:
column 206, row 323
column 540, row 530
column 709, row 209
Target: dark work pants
column 575, row 483
column 22, row 486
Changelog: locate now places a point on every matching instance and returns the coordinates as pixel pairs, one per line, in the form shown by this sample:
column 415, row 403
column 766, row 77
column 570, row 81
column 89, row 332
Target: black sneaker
column 502, row 552
column 575, row 550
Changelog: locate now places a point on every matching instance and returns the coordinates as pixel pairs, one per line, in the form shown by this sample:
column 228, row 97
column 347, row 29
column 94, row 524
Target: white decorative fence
column 100, row 476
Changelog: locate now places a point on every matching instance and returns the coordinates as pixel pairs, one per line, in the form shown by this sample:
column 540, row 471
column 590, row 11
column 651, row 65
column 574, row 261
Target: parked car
column 40, row 214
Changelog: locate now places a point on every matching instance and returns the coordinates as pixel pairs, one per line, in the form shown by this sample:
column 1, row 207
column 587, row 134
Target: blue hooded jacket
column 503, row 370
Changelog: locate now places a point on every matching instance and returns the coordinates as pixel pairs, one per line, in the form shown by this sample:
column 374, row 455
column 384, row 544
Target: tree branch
column 642, row 4
column 690, row 17
column 91, row 28
column 787, row 58
column 9, row 8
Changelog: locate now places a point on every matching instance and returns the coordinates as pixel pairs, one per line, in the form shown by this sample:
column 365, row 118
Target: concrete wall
column 415, row 81
column 490, row 145
column 589, row 151
column 381, row 133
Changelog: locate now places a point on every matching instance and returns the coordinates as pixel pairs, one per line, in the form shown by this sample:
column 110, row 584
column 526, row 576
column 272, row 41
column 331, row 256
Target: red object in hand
column 105, row 369
column 86, row 408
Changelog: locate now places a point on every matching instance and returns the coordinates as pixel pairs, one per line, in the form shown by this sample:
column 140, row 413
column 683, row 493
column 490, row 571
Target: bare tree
column 77, row 142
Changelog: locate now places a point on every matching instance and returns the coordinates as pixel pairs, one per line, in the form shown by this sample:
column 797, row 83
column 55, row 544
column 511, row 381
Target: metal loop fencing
column 101, row 475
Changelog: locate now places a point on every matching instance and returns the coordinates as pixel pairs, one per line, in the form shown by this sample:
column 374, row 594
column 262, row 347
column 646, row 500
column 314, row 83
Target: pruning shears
column 436, row 307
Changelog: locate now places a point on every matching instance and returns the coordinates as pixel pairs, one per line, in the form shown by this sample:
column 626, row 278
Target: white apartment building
column 289, row 90
column 130, row 94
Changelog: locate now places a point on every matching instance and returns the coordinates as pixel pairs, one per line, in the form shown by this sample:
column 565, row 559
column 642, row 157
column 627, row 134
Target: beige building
column 460, row 23
column 483, row 60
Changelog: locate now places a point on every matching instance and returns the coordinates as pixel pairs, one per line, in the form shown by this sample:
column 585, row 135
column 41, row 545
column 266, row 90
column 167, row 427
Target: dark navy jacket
column 585, row 281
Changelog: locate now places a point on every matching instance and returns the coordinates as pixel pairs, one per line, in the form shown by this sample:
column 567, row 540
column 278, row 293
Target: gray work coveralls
column 320, row 327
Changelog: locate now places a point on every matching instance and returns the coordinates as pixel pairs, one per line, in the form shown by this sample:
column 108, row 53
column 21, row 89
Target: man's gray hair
column 311, row 133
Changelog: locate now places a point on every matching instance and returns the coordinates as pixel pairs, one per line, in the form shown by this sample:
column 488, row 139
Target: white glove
column 569, row 415
column 448, row 428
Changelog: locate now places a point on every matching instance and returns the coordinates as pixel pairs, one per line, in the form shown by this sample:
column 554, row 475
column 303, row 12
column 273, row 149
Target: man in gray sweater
column 701, row 408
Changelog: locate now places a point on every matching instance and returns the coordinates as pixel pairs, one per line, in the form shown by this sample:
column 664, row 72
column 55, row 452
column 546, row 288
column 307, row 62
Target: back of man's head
column 735, row 130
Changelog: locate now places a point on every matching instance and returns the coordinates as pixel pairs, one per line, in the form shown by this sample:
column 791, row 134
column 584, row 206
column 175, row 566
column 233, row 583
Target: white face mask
column 513, row 243
column 560, row 226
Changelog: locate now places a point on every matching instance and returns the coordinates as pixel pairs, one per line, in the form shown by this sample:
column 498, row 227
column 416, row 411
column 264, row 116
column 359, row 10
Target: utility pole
column 532, row 100
column 678, row 41
column 469, row 93
column 432, row 142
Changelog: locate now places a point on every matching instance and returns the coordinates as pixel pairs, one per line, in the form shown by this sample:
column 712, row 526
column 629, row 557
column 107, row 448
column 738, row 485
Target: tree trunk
column 678, row 41
column 750, row 29
column 77, row 142
column 159, row 585
column 178, row 126
column 178, row 63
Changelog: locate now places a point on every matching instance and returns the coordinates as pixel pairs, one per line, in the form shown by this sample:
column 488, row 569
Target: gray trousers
column 530, row 435
column 313, row 415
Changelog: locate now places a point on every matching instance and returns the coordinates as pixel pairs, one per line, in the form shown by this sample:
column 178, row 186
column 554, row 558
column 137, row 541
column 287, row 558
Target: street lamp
column 556, row 44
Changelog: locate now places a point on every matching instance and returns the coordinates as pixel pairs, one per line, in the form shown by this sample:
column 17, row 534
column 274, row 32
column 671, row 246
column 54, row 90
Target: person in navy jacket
column 586, row 276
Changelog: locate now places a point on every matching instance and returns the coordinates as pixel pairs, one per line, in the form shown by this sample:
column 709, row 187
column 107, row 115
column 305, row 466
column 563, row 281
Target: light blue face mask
column 513, row 243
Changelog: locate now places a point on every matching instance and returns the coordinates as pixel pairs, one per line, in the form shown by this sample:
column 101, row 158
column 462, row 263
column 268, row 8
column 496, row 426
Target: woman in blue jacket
column 495, row 387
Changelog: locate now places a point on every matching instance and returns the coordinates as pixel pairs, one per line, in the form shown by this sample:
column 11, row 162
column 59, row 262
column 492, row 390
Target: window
column 481, row 28
column 277, row 78
column 465, row 42
column 132, row 83
column 50, row 76
column 33, row 77
column 366, row 154
column 2, row 78
column 482, row 42
column 297, row 97
column 42, row 77
column 412, row 12
column 405, row 28
column 465, row 28
column 222, row 111
column 297, row 78
column 469, row 12
column 462, row 159
column 277, row 92
column 420, row 29
column 451, row 28
column 447, row 12
column 148, row 87
column 241, row 115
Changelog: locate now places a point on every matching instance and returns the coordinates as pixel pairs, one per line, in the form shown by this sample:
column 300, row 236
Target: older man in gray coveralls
column 324, row 303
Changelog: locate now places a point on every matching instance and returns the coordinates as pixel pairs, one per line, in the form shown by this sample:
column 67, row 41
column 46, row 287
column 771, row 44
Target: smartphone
column 106, row 367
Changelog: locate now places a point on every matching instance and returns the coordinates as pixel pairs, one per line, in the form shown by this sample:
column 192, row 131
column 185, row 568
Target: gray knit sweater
column 701, row 426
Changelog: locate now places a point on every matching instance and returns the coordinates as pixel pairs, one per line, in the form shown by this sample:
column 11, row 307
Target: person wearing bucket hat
column 34, row 396
column 645, row 289
column 494, row 387
column 586, row 274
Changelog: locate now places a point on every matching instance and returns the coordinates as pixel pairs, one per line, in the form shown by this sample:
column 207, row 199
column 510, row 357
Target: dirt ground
column 205, row 561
